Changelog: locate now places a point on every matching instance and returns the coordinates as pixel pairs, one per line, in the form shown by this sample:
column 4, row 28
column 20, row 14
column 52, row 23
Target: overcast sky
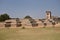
column 34, row 8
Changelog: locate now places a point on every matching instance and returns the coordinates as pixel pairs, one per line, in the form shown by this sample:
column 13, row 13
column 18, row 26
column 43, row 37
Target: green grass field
column 30, row 34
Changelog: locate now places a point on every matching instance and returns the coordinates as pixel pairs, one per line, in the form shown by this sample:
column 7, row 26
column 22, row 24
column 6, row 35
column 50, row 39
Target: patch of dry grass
column 30, row 34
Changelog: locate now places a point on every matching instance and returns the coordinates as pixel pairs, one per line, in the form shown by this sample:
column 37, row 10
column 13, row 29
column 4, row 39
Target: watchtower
column 48, row 15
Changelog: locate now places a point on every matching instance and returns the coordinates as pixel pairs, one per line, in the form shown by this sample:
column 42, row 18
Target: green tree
column 1, row 19
column 4, row 17
column 53, row 23
column 45, row 24
column 28, row 17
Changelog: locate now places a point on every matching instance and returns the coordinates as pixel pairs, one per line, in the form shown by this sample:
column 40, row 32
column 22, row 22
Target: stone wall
column 2, row 25
column 26, row 23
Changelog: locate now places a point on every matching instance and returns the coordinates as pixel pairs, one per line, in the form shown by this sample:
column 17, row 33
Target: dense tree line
column 4, row 17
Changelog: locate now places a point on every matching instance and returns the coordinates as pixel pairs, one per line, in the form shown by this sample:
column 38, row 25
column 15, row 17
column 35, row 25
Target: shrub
column 23, row 27
column 53, row 23
column 45, row 24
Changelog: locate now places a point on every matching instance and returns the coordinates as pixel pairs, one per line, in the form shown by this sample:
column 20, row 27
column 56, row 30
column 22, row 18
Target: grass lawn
column 30, row 34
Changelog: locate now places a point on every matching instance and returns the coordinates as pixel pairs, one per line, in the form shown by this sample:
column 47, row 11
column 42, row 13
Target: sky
column 33, row 8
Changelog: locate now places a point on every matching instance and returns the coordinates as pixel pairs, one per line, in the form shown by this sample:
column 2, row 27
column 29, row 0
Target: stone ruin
column 29, row 23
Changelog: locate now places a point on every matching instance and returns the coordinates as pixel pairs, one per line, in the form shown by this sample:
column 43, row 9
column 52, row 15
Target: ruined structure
column 29, row 22
column 48, row 15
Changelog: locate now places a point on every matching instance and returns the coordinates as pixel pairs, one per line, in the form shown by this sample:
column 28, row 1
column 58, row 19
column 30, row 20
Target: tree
column 44, row 25
column 53, row 23
column 28, row 17
column 1, row 19
column 4, row 17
